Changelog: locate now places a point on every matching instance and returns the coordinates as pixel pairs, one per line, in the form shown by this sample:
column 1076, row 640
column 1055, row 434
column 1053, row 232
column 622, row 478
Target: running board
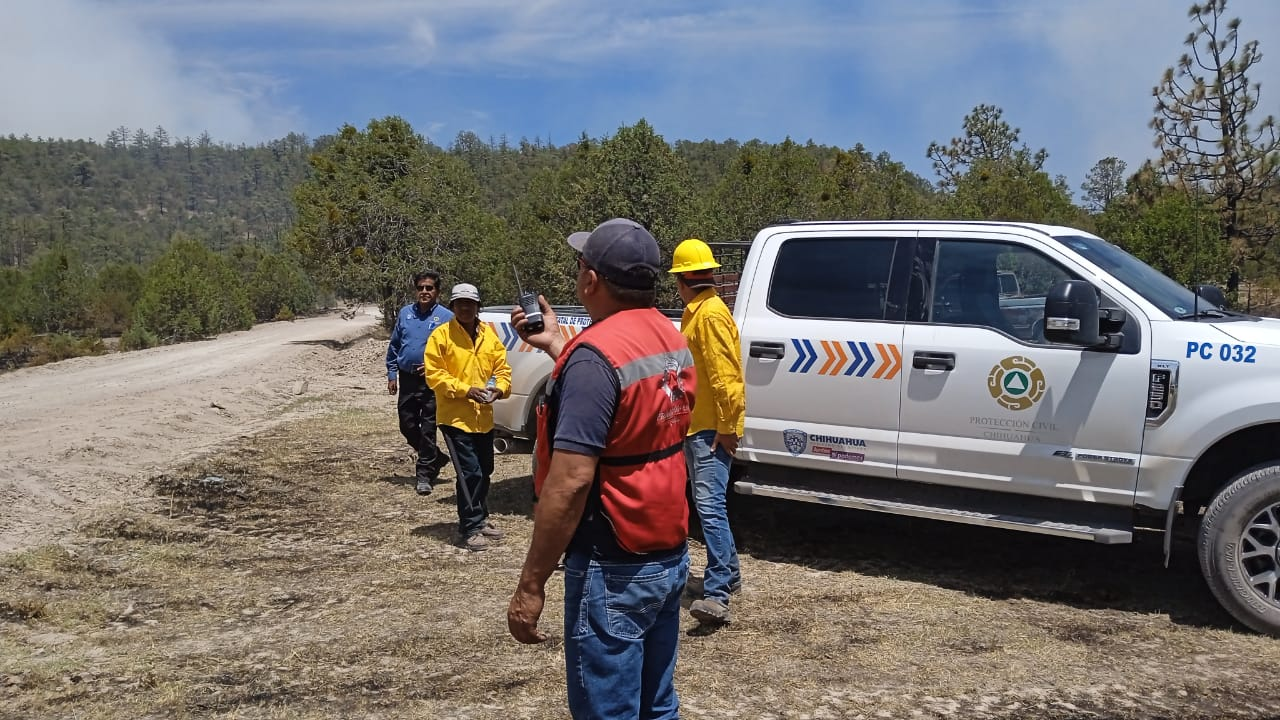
column 1103, row 535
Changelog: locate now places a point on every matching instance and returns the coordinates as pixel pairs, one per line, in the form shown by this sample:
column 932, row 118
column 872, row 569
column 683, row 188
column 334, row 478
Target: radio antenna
column 519, row 286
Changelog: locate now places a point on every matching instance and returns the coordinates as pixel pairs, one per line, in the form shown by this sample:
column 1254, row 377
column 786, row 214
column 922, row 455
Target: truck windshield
column 1158, row 289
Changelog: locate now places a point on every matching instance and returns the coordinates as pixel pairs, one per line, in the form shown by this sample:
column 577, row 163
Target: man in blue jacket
column 417, row 403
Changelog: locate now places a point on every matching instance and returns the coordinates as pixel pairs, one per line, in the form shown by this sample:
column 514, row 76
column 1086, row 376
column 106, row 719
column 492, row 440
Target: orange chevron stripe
column 897, row 362
column 831, row 358
column 841, row 354
column 884, row 362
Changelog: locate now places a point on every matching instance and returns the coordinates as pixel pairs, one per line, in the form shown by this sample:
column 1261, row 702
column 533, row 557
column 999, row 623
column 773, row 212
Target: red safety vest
column 641, row 476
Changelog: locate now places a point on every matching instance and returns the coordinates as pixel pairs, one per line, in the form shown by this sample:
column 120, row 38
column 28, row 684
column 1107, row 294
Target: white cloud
column 76, row 69
column 1075, row 77
column 422, row 40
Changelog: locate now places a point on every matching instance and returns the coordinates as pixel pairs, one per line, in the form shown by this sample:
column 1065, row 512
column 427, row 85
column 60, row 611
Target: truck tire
column 1239, row 548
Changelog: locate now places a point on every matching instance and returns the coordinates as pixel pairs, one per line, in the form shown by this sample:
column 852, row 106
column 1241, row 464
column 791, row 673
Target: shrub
column 58, row 290
column 190, row 293
column 62, row 346
column 15, row 348
column 119, row 287
column 279, row 285
column 136, row 337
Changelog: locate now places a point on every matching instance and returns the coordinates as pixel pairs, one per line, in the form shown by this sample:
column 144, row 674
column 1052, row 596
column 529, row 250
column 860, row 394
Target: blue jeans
column 709, row 473
column 621, row 629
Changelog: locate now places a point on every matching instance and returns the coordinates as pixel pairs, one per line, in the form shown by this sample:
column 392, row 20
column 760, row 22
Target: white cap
column 464, row 291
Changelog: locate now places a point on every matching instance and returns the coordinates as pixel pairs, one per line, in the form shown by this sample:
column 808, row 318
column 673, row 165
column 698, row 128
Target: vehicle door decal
column 807, row 356
column 835, row 357
column 862, row 361
column 1016, row 383
column 884, row 362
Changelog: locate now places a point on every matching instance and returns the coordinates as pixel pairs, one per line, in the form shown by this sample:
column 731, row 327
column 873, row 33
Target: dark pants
column 473, row 462
column 417, row 408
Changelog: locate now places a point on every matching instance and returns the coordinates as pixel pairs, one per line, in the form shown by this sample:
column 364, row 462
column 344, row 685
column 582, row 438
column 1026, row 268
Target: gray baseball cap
column 622, row 251
column 464, row 291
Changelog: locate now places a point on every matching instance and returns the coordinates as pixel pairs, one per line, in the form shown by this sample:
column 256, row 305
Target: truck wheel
column 1240, row 548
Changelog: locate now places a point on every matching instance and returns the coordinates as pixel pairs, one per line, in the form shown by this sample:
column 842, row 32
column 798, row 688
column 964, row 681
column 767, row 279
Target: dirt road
column 87, row 432
column 312, row 582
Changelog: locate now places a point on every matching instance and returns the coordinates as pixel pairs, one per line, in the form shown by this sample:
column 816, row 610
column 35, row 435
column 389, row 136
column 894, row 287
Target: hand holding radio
column 532, row 312
column 529, row 303
column 534, row 320
column 546, row 328
column 548, row 338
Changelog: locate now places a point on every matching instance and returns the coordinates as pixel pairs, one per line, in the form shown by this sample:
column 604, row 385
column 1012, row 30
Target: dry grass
column 297, row 575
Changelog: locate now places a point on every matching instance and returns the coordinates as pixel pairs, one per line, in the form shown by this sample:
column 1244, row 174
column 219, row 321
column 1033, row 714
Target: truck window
column 832, row 278
column 973, row 280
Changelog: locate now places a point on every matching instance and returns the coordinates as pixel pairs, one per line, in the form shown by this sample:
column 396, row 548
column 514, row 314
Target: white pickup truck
column 884, row 373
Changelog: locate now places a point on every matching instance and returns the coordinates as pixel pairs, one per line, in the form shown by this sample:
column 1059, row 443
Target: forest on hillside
column 156, row 239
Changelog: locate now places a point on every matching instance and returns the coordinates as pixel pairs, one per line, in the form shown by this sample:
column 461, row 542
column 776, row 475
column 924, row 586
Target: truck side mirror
column 1071, row 314
column 1211, row 294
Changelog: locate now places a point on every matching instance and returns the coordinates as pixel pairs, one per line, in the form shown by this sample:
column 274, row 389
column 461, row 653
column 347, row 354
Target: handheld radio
column 528, row 302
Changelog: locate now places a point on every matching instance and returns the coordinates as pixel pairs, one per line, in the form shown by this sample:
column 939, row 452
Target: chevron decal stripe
column 897, row 362
column 847, row 358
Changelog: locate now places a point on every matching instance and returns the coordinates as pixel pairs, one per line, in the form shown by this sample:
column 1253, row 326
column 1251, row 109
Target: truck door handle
column 765, row 349
column 933, row 360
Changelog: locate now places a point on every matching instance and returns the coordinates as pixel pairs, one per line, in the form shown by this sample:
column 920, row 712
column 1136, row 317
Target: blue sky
column 1074, row 75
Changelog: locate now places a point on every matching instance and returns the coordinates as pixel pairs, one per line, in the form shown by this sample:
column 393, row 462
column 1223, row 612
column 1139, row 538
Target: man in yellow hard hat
column 715, row 426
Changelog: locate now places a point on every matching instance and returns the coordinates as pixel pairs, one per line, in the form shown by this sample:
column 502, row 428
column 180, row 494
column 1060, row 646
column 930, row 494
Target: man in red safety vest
column 611, row 482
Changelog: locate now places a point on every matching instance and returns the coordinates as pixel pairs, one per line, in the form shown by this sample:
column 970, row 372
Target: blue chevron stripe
column 813, row 357
column 800, row 355
column 857, row 357
column 869, row 358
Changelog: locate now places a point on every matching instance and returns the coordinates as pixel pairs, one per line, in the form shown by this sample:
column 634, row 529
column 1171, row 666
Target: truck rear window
column 836, row 278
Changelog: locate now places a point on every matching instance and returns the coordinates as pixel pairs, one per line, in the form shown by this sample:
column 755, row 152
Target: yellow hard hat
column 692, row 255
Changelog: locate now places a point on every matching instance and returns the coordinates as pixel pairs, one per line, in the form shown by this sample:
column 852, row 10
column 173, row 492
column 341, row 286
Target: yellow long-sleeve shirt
column 712, row 334
column 455, row 364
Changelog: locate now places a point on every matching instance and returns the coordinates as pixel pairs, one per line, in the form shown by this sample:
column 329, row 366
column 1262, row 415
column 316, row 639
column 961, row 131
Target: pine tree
column 1207, row 133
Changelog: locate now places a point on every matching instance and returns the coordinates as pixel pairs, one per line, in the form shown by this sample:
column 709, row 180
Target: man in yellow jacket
column 715, row 426
column 466, row 366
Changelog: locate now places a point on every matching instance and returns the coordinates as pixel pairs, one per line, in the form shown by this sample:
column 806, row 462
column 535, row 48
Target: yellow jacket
column 454, row 365
column 712, row 334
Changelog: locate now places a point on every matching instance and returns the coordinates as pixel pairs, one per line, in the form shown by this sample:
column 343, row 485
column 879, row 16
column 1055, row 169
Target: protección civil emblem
column 1016, row 383
column 795, row 440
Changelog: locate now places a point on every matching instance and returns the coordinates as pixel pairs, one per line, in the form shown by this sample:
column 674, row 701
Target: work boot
column 694, row 587
column 423, row 486
column 710, row 612
column 476, row 543
column 492, row 531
